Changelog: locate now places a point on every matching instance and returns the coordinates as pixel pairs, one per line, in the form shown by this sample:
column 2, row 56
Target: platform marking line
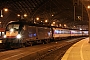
column 81, row 54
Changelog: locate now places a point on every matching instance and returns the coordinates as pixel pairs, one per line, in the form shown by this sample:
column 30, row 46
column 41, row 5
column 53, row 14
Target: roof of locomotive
column 28, row 23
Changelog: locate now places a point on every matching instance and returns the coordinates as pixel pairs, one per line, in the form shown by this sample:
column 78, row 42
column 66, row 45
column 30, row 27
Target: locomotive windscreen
column 14, row 26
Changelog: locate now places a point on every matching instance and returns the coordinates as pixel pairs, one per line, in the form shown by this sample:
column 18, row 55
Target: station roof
column 70, row 12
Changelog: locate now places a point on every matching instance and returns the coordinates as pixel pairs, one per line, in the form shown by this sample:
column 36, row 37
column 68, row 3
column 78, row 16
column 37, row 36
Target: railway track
column 51, row 51
column 6, row 49
column 57, row 52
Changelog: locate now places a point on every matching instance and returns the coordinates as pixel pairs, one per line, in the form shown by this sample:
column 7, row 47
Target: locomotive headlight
column 19, row 36
column 11, row 30
column 4, row 36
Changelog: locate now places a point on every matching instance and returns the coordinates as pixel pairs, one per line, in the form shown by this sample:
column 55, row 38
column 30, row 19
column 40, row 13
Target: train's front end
column 12, row 33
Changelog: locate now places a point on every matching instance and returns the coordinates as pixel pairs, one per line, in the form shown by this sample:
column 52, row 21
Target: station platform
column 79, row 51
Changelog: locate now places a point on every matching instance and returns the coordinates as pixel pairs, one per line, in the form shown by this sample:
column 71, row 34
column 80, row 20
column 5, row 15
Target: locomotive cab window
column 13, row 26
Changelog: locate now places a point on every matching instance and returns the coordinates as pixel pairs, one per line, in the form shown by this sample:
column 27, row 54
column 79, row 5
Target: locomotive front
column 12, row 33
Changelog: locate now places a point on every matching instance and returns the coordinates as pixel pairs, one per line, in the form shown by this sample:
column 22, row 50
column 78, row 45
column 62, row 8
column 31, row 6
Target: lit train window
column 16, row 26
column 57, row 31
column 79, row 32
column 65, row 31
column 85, row 32
column 30, row 35
column 73, row 32
column 34, row 34
column 0, row 33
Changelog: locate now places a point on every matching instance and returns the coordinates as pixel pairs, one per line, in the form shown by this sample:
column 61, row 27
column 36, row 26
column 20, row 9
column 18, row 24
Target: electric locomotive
column 23, row 33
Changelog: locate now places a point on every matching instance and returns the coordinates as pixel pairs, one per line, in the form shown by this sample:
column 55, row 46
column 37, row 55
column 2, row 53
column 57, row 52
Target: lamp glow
column 18, row 36
column 4, row 36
